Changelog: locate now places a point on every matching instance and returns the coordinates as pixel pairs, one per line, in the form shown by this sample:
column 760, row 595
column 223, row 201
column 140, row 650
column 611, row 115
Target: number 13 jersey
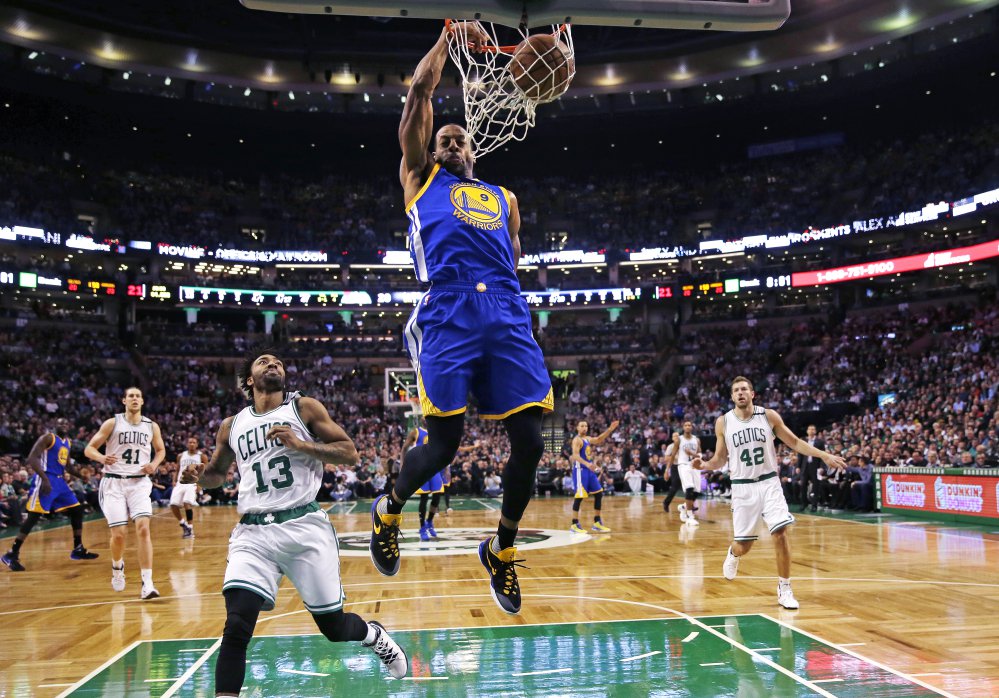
column 272, row 477
column 750, row 442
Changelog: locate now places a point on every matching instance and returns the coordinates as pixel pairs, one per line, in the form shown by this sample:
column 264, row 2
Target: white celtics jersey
column 750, row 445
column 688, row 450
column 272, row 477
column 131, row 443
column 187, row 460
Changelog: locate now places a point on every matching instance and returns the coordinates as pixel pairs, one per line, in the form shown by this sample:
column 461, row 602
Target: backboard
column 720, row 15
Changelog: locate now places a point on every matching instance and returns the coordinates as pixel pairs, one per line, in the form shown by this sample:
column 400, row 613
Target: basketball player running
column 471, row 331
column 688, row 448
column 185, row 495
column 280, row 443
column 671, row 471
column 584, row 480
column 745, row 440
column 134, row 450
column 49, row 458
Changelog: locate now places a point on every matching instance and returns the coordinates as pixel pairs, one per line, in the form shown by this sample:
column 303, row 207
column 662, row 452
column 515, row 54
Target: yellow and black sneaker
column 502, row 576
column 384, row 546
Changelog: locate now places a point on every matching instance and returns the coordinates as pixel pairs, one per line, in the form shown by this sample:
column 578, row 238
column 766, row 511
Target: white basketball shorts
column 125, row 498
column 305, row 549
column 752, row 500
column 184, row 494
column 689, row 478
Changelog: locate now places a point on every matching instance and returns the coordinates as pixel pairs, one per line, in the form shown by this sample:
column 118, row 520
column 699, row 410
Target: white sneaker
column 785, row 597
column 692, row 522
column 148, row 592
column 683, row 512
column 388, row 650
column 118, row 578
column 730, row 567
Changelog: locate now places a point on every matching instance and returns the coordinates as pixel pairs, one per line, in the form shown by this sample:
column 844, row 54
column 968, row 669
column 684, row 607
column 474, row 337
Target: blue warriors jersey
column 57, row 457
column 459, row 232
column 60, row 497
column 585, row 454
column 421, row 436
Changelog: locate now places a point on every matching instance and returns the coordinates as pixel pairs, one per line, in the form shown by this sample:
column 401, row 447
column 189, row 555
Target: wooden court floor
column 918, row 600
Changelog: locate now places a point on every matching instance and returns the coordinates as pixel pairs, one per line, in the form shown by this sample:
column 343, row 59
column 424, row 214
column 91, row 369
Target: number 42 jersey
column 272, row 477
column 751, row 449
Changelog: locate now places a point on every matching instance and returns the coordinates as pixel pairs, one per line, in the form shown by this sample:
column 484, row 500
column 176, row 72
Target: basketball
column 542, row 67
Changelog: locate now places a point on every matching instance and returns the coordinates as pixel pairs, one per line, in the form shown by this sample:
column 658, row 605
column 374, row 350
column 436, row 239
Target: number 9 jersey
column 272, row 477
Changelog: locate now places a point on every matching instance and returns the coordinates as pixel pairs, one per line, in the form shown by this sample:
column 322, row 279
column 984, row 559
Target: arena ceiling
column 223, row 41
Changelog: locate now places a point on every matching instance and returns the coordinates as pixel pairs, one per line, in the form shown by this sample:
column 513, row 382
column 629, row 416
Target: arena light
column 33, row 55
column 108, row 51
column 246, row 92
column 895, row 22
column 23, row 29
column 753, row 59
column 167, row 81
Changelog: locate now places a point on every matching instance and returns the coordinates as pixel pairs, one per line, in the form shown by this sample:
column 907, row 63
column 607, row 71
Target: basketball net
column 497, row 110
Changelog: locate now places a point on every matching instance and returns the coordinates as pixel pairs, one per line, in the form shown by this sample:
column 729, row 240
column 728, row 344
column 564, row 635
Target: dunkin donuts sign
column 967, row 495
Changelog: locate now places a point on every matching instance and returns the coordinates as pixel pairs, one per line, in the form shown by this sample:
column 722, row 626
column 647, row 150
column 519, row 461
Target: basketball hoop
column 504, row 83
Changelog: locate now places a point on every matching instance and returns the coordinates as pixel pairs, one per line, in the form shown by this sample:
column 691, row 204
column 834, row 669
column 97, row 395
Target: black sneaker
column 384, row 546
column 393, row 656
column 81, row 553
column 12, row 562
column 502, row 576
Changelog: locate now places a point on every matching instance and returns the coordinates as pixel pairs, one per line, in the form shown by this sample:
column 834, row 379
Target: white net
column 504, row 84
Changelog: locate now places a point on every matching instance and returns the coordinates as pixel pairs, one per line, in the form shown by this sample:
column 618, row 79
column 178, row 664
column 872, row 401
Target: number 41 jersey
column 272, row 477
column 750, row 444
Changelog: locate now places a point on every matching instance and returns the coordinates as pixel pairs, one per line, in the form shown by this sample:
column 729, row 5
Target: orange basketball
column 542, row 67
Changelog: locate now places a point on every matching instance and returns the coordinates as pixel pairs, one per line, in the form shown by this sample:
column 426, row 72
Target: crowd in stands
column 937, row 363
column 341, row 213
column 933, row 370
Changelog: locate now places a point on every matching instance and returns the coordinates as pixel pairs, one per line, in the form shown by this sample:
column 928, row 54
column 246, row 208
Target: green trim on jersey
column 294, row 404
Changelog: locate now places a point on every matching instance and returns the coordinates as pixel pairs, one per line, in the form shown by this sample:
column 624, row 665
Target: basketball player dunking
column 471, row 331
column 134, row 450
column 279, row 443
column 745, row 440
column 185, row 495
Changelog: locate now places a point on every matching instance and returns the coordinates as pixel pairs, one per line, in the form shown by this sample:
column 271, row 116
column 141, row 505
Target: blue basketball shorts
column 584, row 481
column 60, row 498
column 464, row 340
column 434, row 484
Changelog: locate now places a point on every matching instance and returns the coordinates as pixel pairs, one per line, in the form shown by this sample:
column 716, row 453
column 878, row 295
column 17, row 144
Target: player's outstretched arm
column 610, row 430
column 334, row 446
column 410, row 440
column 721, row 450
column 42, row 444
column 782, row 432
column 213, row 475
column 98, row 440
column 416, row 129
